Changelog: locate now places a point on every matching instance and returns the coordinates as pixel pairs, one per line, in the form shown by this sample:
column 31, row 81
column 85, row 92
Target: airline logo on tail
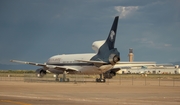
column 112, row 35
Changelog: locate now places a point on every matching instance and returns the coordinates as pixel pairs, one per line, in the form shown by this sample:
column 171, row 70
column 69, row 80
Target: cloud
column 145, row 42
column 154, row 24
column 124, row 11
column 167, row 45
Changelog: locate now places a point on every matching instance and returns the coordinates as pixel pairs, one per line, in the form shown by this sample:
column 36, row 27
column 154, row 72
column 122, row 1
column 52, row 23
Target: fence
column 125, row 79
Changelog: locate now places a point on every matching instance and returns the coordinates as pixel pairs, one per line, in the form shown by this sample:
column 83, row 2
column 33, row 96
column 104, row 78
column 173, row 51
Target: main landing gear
column 101, row 79
column 63, row 79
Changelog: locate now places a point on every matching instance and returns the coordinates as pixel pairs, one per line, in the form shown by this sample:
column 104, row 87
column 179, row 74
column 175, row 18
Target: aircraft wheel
column 97, row 79
column 61, row 80
column 100, row 80
column 104, row 80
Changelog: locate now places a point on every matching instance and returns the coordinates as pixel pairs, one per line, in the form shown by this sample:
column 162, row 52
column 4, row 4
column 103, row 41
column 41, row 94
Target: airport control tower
column 131, row 55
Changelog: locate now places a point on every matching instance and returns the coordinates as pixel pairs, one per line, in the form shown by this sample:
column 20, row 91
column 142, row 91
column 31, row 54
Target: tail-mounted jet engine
column 113, row 59
column 40, row 72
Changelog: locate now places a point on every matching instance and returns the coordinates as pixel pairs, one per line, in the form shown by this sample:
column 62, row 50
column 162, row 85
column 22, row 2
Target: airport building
column 162, row 69
column 155, row 70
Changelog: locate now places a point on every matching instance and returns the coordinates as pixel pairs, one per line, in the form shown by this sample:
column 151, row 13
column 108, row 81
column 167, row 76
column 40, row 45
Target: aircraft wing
column 126, row 65
column 45, row 65
column 30, row 63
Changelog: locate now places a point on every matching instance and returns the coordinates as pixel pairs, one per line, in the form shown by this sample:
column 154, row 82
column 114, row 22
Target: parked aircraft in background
column 103, row 62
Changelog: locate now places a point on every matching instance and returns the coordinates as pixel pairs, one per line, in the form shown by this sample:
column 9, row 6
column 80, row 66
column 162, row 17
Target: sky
column 34, row 30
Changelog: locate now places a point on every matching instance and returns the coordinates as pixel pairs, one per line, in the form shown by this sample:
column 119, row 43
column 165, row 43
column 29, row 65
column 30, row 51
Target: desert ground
column 113, row 92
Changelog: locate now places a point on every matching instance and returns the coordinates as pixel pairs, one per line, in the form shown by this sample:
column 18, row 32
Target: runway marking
column 15, row 102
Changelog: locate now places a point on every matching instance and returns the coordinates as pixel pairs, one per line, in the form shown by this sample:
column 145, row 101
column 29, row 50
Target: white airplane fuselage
column 70, row 60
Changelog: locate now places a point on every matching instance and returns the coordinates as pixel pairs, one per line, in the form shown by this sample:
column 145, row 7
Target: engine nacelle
column 113, row 59
column 40, row 72
column 109, row 74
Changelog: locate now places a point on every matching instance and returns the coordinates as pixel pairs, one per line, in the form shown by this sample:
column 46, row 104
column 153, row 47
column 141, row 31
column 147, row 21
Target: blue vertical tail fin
column 112, row 34
column 107, row 52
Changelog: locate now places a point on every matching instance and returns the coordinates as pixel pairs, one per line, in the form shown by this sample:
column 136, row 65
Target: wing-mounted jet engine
column 40, row 72
column 111, row 73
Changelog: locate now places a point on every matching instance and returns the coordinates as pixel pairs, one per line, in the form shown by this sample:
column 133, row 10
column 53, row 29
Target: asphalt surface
column 86, row 93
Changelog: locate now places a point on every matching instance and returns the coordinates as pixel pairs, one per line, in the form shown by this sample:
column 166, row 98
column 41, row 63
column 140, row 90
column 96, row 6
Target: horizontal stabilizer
column 136, row 62
column 91, row 61
column 126, row 65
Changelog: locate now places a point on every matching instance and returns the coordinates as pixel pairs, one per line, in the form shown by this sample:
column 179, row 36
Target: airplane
column 102, row 62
